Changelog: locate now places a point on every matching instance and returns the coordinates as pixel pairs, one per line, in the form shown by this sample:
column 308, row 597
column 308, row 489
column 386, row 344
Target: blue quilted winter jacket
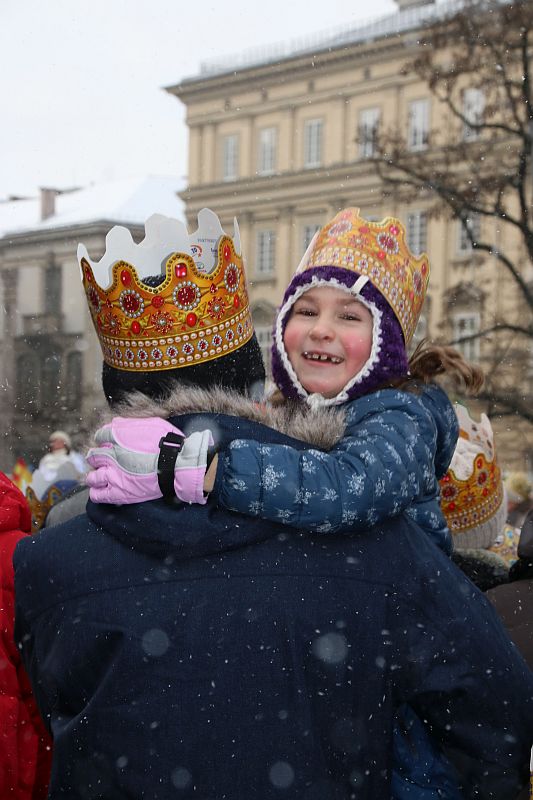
column 396, row 446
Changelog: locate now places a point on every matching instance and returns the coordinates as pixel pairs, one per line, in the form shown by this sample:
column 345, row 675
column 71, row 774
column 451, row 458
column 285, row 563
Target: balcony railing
column 42, row 324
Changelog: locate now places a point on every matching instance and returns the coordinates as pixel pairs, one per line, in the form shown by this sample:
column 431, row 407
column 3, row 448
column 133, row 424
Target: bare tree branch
column 479, row 164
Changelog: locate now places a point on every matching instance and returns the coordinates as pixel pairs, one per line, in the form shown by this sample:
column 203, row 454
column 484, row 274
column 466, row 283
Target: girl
column 340, row 339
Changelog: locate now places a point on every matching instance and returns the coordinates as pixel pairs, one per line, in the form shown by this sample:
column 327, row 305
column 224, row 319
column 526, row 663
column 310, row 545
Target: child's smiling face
column 328, row 339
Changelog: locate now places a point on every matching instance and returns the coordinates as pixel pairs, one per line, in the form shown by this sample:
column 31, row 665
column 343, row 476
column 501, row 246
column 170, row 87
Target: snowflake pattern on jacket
column 397, row 444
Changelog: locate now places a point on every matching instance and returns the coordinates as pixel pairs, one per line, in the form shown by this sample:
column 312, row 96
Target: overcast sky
column 81, row 80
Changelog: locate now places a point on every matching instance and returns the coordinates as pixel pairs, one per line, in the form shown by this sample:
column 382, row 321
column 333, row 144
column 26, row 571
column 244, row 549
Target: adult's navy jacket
column 202, row 654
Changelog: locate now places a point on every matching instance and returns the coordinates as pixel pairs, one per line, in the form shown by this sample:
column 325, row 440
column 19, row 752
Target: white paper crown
column 163, row 236
column 199, row 311
column 472, row 497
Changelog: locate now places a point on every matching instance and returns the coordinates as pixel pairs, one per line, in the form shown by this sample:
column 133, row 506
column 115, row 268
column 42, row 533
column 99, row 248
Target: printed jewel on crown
column 198, row 312
column 379, row 251
column 472, row 489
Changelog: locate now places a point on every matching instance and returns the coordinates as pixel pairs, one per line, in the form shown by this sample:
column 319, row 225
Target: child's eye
column 354, row 317
column 306, row 312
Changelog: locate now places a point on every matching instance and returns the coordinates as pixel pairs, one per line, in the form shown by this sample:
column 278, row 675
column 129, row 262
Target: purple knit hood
column 388, row 357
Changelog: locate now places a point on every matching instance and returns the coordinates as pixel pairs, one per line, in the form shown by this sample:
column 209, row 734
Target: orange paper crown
column 198, row 312
column 379, row 251
column 40, row 507
column 472, row 489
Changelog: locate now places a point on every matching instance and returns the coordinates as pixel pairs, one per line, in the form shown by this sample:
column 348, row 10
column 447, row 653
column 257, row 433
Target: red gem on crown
column 186, row 295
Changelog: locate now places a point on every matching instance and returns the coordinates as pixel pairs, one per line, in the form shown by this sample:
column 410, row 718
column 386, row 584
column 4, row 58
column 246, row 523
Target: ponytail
column 430, row 360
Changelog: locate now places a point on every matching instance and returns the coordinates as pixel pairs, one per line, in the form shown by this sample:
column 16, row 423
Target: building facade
column 285, row 142
column 50, row 371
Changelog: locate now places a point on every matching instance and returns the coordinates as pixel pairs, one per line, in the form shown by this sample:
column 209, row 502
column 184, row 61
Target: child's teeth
column 319, row 357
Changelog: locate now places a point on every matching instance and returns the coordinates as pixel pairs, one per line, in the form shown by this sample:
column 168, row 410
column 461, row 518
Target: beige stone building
column 50, row 370
column 283, row 140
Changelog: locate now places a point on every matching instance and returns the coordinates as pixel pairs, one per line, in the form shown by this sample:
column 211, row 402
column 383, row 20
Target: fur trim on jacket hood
column 322, row 428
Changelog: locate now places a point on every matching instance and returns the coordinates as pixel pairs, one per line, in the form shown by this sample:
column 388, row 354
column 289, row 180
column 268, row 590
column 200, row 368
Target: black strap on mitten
column 170, row 447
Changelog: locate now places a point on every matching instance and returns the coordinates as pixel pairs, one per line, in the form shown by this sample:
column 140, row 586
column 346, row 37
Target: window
column 74, row 380
column 28, row 383
column 50, row 377
column 308, row 231
column 368, row 131
column 417, row 232
column 473, row 223
column 466, row 324
column 313, row 143
column 418, row 132
column 230, row 157
column 473, row 108
column 267, row 151
column 52, row 290
column 265, row 253
column 264, row 337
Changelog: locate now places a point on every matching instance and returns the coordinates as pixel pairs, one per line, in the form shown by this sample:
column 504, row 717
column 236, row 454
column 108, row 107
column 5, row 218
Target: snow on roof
column 376, row 27
column 380, row 27
column 128, row 201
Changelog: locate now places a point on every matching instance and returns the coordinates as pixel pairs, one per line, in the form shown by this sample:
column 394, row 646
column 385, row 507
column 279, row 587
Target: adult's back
column 202, row 654
column 514, row 600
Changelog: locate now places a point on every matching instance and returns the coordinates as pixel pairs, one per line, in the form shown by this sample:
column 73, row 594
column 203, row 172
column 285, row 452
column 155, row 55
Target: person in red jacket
column 25, row 745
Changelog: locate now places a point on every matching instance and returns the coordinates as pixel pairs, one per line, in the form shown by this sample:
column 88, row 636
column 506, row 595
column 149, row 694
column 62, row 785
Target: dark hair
column 240, row 370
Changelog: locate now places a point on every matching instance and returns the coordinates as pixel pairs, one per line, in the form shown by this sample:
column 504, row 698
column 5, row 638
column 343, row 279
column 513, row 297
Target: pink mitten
column 125, row 467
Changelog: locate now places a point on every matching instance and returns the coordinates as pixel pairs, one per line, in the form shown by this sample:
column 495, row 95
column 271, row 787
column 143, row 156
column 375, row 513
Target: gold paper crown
column 40, row 507
column 472, row 489
column 198, row 312
column 379, row 251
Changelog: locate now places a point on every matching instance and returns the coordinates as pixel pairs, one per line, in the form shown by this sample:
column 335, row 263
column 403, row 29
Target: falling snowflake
column 332, row 648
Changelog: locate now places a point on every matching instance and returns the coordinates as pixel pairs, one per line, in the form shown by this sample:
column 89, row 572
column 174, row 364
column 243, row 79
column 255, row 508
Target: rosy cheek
column 359, row 347
column 291, row 340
